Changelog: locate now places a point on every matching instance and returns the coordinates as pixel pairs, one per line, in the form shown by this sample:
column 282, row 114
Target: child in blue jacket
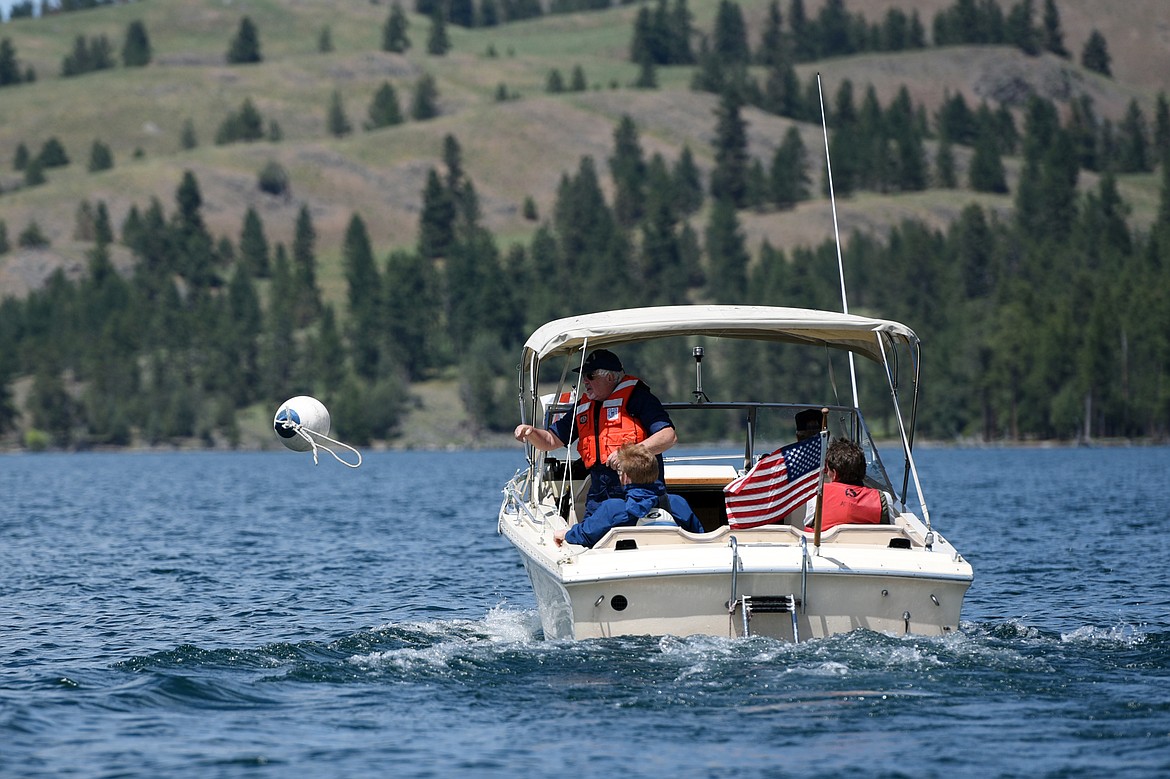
column 638, row 469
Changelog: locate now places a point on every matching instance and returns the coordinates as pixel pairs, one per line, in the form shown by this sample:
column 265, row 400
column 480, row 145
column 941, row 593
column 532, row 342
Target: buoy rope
column 309, row 434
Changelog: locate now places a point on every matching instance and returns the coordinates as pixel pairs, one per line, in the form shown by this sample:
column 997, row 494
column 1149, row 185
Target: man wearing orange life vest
column 846, row 499
column 617, row 409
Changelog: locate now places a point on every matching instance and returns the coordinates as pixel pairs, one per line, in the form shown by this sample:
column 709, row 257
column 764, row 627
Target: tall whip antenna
column 836, row 234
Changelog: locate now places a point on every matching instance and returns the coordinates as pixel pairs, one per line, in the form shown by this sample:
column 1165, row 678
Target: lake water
column 254, row 615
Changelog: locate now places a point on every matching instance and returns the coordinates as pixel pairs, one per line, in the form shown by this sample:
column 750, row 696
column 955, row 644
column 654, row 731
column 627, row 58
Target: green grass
column 512, row 150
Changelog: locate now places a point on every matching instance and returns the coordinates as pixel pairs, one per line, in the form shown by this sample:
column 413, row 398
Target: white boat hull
column 676, row 583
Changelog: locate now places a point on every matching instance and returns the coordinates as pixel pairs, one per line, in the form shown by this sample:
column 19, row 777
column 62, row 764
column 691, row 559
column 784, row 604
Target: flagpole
column 824, row 434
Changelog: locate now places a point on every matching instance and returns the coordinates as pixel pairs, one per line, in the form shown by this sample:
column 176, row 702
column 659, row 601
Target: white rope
column 309, row 434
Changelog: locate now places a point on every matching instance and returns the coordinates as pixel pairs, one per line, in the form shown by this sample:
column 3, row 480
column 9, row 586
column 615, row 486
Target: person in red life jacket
column 847, row 501
column 617, row 409
column 638, row 470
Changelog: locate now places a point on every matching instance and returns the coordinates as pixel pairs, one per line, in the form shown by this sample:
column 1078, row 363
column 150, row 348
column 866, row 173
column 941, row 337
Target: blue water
column 254, row 615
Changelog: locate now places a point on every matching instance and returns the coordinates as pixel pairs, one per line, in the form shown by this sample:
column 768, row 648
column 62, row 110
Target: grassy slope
column 511, row 150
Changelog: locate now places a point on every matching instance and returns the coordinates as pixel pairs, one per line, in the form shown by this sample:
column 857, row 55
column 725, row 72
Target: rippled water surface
column 244, row 615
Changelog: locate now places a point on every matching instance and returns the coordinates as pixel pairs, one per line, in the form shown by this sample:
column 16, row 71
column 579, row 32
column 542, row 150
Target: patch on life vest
column 582, row 419
column 852, row 492
column 612, row 413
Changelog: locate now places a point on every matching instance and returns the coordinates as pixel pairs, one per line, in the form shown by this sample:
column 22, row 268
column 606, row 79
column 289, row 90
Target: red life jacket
column 848, row 504
column 614, row 426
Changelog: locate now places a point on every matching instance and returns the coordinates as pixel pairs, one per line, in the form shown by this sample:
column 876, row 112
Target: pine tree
column 1021, row 29
column 945, row 176
column 361, row 275
column 245, row 47
column 325, row 40
column 438, row 43
column 53, row 154
column 394, row 32
column 100, row 157
column 688, row 183
column 304, row 268
column 627, row 166
column 411, row 312
column 9, row 67
column 254, row 245
column 1134, row 142
column 187, row 138
column 986, row 173
column 136, row 51
column 772, row 48
column 726, row 254
column 729, row 177
column 461, row 12
column 425, row 104
column 384, row 109
column 1095, row 54
column 1053, row 38
column 337, row 121
column 729, row 38
column 436, row 229
column 789, row 180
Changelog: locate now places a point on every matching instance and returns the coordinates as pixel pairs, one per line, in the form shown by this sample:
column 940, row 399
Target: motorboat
column 779, row 579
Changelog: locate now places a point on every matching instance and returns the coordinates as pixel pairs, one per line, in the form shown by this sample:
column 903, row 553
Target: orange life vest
column 848, row 504
column 603, row 427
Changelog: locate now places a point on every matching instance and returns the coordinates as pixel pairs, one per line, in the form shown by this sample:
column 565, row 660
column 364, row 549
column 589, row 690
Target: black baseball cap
column 601, row 360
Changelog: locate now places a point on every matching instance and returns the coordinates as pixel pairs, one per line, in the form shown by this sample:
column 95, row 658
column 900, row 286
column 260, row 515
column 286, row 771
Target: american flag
column 777, row 484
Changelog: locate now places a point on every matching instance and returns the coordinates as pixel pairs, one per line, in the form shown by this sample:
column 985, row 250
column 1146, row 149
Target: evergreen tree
column 9, row 66
column 554, row 83
column 5, row 247
column 425, row 104
column 21, row 157
column 726, row 254
column 245, row 46
column 1134, row 156
column 100, row 157
column 411, row 312
column 772, row 45
column 577, row 81
column 254, row 245
column 336, row 120
column 187, row 138
column 304, row 269
column 911, row 155
column 1162, row 130
column 436, row 229
column 438, row 44
column 789, row 180
column 365, row 309
column 729, row 177
column 325, row 40
column 1053, row 37
column 688, row 183
column 461, row 12
column 1095, row 54
column 34, row 173
column 394, row 32
column 945, row 176
column 986, row 173
column 384, row 109
column 53, row 154
column 1021, row 28
column 729, row 38
column 627, row 166
column 279, row 351
column 136, row 51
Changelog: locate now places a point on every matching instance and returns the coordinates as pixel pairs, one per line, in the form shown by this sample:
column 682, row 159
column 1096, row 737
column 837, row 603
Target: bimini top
column 857, row 334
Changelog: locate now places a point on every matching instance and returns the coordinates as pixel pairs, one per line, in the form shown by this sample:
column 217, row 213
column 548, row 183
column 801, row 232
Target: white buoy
column 302, row 413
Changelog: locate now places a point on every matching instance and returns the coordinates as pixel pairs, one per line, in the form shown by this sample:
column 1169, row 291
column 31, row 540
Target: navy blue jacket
column 618, row 512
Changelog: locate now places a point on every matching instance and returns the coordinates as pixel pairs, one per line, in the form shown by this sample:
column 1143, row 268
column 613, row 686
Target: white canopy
column 857, row 334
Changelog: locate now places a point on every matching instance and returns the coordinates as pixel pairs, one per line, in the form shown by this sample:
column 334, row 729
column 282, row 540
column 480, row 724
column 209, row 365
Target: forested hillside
column 208, row 208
